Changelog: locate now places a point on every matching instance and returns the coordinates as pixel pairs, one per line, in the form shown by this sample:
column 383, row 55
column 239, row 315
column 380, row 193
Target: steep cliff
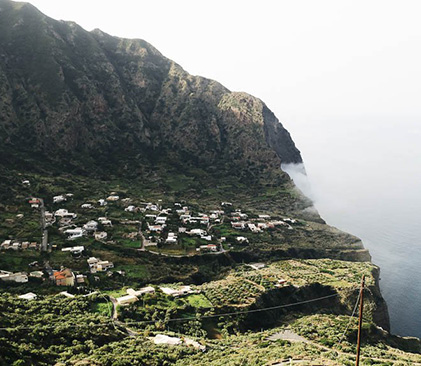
column 90, row 102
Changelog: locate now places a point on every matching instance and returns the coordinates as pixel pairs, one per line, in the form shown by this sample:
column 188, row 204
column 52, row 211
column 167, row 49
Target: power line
column 178, row 319
column 350, row 319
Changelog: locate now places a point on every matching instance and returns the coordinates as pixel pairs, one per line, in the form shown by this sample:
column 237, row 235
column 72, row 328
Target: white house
column 58, row 199
column 125, row 300
column 36, row 274
column 253, row 228
column 102, row 202
column 198, row 232
column 238, row 225
column 184, row 290
column 164, row 339
column 130, row 208
column 75, row 250
column 91, row 226
column 161, row 220
column 28, row 296
column 206, row 237
column 102, row 235
column 257, row 265
column 103, row 266
column 74, row 233
column 87, row 205
column 6, row 244
column 113, row 198
column 209, row 247
column 155, row 228
column 92, row 261
column 242, row 239
column 143, row 290
column 171, row 239
column 152, row 207
column 62, row 212
column 19, row 277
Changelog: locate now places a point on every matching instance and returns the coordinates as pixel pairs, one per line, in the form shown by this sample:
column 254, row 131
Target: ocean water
column 364, row 177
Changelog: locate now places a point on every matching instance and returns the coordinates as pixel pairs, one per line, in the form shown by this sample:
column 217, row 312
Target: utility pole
column 360, row 319
column 44, row 240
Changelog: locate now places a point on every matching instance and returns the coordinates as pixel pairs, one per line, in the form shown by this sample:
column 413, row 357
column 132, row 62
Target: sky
column 305, row 59
column 344, row 77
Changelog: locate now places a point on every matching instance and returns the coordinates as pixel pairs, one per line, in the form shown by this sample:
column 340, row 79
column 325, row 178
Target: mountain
column 111, row 130
column 89, row 102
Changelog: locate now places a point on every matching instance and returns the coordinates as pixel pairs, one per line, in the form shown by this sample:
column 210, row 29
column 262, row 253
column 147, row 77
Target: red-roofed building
column 64, row 278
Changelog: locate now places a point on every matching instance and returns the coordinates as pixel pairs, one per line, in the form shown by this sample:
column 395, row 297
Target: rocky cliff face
column 89, row 100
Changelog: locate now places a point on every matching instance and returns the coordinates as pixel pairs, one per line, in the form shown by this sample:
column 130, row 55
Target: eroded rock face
column 93, row 99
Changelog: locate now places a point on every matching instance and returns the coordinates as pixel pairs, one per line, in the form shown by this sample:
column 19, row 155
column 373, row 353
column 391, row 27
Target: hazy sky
column 303, row 58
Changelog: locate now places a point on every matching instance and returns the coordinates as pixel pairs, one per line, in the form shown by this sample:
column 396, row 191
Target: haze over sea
column 364, row 175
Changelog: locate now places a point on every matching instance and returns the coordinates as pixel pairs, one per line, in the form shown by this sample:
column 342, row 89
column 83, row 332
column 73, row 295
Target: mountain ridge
column 69, row 93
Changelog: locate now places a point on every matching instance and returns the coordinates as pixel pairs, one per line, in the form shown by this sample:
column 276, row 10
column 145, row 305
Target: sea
column 364, row 177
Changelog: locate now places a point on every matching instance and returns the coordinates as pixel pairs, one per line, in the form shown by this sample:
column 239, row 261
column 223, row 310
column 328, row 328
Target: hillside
column 155, row 199
column 92, row 102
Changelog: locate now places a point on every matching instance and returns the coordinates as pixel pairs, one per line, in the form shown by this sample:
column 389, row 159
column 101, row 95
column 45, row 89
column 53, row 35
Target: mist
column 365, row 179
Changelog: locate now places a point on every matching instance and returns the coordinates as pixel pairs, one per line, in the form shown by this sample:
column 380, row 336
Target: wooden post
column 360, row 320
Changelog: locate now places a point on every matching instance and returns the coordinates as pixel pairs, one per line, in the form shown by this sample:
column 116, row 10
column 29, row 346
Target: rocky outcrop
column 88, row 100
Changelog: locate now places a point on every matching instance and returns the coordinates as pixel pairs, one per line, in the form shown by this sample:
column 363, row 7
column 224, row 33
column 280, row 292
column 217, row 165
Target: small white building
column 19, row 277
column 160, row 220
column 103, row 266
column 102, row 202
column 209, row 247
column 171, row 239
column 113, row 198
column 62, row 212
column 87, row 206
column 102, row 235
column 75, row 250
column 242, row 239
column 142, row 291
column 238, row 225
column 59, row 199
column 75, row 233
column 257, row 266
column 155, row 228
column 28, row 296
column 253, row 228
column 206, row 237
column 164, row 339
column 130, row 208
column 184, row 290
column 67, row 294
column 91, row 226
column 198, row 232
column 126, row 300
column 36, row 274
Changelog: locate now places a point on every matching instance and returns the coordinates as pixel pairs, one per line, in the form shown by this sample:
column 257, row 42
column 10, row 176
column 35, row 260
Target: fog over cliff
column 365, row 179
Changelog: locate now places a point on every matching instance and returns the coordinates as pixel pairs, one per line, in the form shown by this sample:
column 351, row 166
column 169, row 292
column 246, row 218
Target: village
column 75, row 226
